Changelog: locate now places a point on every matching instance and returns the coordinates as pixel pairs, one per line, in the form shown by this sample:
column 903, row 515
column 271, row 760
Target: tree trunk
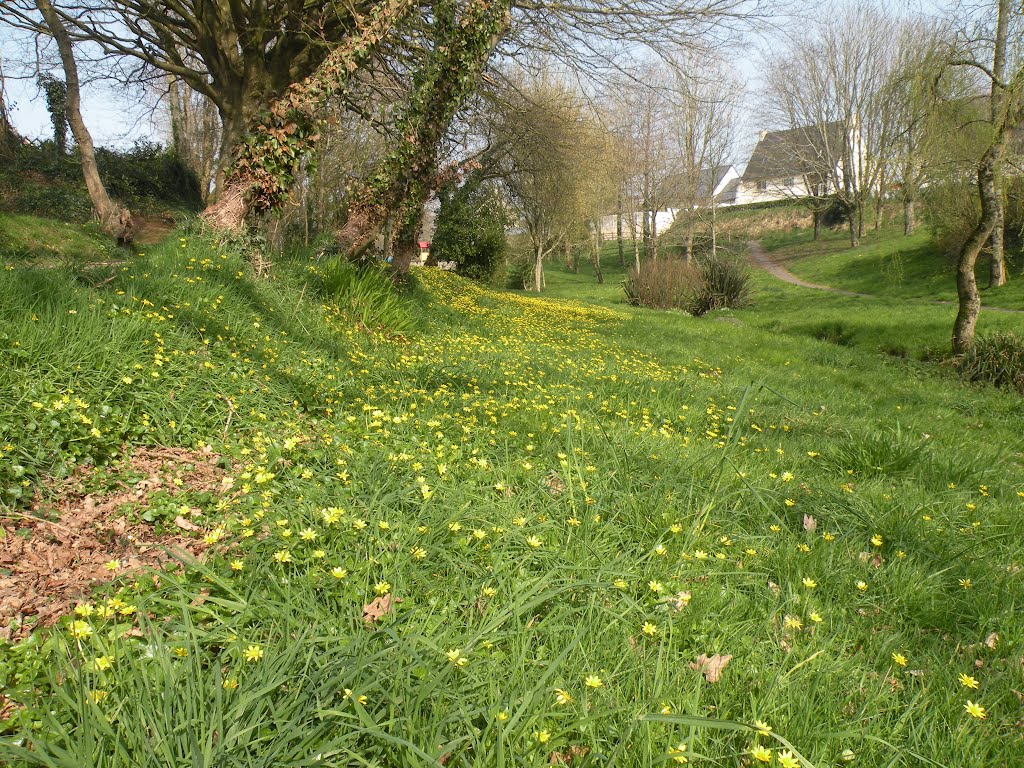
column 654, row 236
column 997, row 267
column 538, row 269
column 816, row 217
column 854, row 240
column 261, row 171
column 9, row 138
column 595, row 251
column 115, row 220
column 688, row 252
column 908, row 216
column 618, row 232
column 647, row 230
column 969, row 301
column 714, row 232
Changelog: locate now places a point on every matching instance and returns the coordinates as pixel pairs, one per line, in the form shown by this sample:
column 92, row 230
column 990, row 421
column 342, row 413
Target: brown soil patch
column 150, row 230
column 52, row 555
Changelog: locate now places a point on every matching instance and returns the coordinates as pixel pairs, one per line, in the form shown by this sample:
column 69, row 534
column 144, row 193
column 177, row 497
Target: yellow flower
column 97, row 696
column 593, row 681
column 655, row 586
column 562, row 698
column 542, row 737
column 809, row 582
column 967, row 681
column 418, row 553
column 230, row 684
column 815, row 617
column 455, row 657
column 876, row 540
column 761, row 754
column 382, row 587
column 308, row 534
column 975, row 710
column 678, row 753
column 338, row 572
column 788, row 760
column 649, row 629
column 112, row 565
column 620, row 584
column 862, row 586
column 237, row 565
column 793, row 622
column 80, row 630
column 253, row 653
column 101, row 663
column 762, row 727
column 534, row 542
column 502, row 715
column 283, row 556
column 361, row 699
column 899, row 659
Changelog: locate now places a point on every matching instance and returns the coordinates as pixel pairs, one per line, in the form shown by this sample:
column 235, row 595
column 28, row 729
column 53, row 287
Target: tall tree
column 1007, row 112
column 115, row 219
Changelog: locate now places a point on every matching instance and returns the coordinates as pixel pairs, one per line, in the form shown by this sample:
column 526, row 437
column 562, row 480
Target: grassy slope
column 536, row 481
column 887, row 263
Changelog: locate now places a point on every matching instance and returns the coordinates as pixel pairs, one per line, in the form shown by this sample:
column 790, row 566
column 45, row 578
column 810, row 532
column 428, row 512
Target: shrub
column 717, row 282
column 470, row 230
column 664, row 284
column 726, row 283
column 997, row 359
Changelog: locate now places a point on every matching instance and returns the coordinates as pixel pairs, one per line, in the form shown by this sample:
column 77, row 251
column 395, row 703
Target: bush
column 470, row 230
column 715, row 283
column 997, row 359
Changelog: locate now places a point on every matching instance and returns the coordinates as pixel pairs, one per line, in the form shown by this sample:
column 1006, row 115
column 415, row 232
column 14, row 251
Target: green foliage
column 366, row 293
column 952, row 210
column 147, row 178
column 996, row 358
column 470, row 230
column 725, row 284
column 56, row 93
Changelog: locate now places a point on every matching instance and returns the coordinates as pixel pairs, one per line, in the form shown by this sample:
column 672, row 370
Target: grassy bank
column 519, row 531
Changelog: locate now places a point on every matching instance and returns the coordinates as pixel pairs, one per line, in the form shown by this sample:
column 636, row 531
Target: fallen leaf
column 566, row 758
column 810, row 524
column 379, row 607
column 992, row 640
column 185, row 524
column 555, row 484
column 711, row 666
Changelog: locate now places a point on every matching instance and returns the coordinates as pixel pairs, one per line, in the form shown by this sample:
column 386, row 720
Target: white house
column 799, row 162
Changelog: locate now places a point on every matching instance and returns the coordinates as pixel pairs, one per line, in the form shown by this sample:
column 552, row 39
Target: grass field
column 521, row 532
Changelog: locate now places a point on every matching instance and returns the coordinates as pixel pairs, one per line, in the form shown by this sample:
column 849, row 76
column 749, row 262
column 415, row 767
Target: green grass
column 886, row 263
column 46, row 242
column 537, row 481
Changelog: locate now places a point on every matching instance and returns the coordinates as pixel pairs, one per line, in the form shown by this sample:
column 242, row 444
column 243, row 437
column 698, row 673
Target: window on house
column 762, row 186
column 789, row 182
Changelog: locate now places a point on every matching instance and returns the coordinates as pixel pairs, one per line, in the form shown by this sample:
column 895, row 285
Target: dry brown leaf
column 810, row 524
column 555, row 484
column 378, row 608
column 774, row 588
column 711, row 666
column 566, row 758
column 992, row 640
column 185, row 524
column 682, row 600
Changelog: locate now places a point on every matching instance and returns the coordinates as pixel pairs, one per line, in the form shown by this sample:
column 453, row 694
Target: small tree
column 470, row 228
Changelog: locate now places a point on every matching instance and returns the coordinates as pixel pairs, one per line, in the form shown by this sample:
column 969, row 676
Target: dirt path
column 767, row 263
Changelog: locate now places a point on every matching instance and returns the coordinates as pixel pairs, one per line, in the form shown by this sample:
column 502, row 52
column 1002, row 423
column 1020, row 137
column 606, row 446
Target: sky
column 117, row 117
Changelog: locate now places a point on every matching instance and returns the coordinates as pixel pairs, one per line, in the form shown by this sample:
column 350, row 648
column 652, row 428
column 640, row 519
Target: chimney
column 761, row 135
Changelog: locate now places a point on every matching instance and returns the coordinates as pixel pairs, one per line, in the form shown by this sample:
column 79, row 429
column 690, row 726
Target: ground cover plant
column 520, row 531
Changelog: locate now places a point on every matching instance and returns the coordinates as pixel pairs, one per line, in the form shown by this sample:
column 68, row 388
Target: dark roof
column 673, row 186
column 795, row 152
column 728, row 194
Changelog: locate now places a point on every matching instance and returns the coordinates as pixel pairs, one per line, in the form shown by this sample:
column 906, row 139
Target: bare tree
column 828, row 88
column 114, row 219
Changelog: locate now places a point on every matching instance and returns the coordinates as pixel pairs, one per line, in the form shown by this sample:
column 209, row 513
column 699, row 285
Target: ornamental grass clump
column 996, row 359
